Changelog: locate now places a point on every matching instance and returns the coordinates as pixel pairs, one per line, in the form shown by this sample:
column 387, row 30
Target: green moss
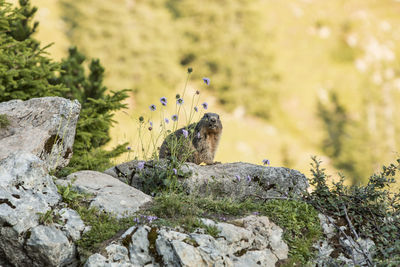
column 4, row 121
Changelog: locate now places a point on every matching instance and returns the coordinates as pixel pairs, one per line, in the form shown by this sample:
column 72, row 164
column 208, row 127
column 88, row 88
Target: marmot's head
column 212, row 122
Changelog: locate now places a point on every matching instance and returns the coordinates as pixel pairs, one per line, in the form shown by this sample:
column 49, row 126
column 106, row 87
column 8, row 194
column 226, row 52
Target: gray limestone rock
column 259, row 243
column 27, row 192
column 73, row 225
column 43, row 126
column 139, row 247
column 50, row 247
column 237, row 180
column 110, row 194
column 97, row 260
column 263, row 258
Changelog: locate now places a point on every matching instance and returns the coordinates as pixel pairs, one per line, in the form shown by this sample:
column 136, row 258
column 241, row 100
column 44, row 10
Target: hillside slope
column 270, row 59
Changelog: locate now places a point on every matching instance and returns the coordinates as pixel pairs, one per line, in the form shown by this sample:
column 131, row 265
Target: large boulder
column 109, row 194
column 27, row 192
column 237, row 180
column 250, row 241
column 44, row 127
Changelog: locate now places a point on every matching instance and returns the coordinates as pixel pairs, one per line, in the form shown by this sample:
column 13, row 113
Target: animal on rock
column 196, row 143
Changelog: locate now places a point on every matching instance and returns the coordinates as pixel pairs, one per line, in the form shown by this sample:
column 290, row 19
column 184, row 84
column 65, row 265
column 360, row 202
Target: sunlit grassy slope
column 272, row 58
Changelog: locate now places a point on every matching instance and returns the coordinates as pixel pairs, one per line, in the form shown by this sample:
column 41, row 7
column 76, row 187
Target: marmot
column 196, row 143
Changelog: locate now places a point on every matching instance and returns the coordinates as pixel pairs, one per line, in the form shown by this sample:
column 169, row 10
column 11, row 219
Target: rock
column 97, row 260
column 110, row 194
column 256, row 258
column 236, row 180
column 73, row 225
column 259, row 243
column 117, row 253
column 355, row 251
column 187, row 254
column 50, row 247
column 348, row 252
column 139, row 246
column 26, row 191
column 44, row 127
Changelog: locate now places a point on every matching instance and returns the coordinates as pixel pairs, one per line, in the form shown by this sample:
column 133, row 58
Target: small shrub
column 371, row 210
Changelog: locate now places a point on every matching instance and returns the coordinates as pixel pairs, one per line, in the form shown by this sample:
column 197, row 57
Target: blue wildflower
column 163, row 101
column 179, row 101
column 248, row 178
column 174, row 117
column 238, row 177
column 151, row 218
column 185, row 133
column 128, row 148
column 141, row 165
column 175, row 171
column 206, row 80
column 166, row 120
column 152, row 107
column 266, row 162
column 205, row 105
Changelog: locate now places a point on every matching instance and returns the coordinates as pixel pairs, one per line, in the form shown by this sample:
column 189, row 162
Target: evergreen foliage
column 25, row 69
column 96, row 114
column 27, row 72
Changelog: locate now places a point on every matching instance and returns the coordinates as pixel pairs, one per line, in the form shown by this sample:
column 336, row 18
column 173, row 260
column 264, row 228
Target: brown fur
column 201, row 144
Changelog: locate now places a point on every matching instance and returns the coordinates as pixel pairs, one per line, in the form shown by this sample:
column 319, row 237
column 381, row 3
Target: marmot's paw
column 214, row 163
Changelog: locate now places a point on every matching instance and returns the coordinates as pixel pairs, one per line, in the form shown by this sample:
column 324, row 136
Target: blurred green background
column 290, row 78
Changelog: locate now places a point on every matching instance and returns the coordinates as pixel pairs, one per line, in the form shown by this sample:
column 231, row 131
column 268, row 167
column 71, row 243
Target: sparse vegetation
column 103, row 225
column 4, row 121
column 298, row 219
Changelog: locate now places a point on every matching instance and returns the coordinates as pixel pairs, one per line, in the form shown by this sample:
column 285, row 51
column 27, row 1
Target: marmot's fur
column 201, row 143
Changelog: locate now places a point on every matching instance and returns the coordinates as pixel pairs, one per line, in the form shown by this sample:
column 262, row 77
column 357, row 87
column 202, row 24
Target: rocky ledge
column 37, row 228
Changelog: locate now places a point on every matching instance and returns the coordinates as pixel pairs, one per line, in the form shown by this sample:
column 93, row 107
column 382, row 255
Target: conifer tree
column 25, row 69
column 26, row 72
column 96, row 115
